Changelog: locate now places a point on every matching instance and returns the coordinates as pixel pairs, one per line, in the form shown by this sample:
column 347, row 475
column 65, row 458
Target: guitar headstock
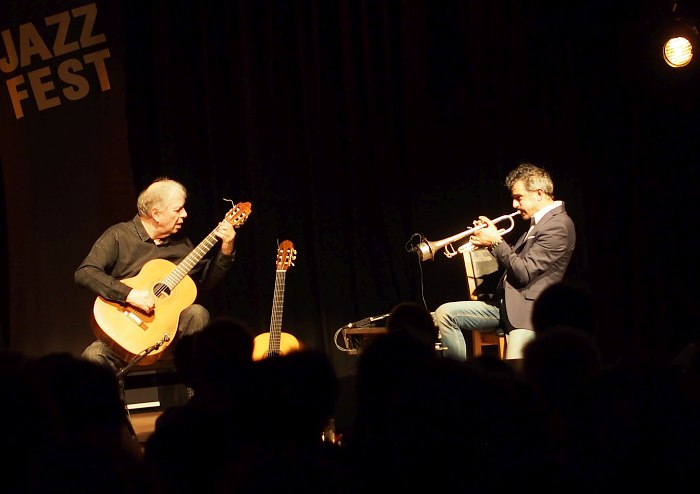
column 238, row 214
column 286, row 254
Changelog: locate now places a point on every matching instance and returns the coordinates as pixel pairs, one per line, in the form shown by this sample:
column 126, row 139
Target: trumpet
column 427, row 249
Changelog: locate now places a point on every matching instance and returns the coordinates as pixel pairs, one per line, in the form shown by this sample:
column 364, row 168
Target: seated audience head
column 296, row 391
column 415, row 321
column 564, row 304
column 390, row 362
column 81, row 396
column 220, row 352
column 560, row 361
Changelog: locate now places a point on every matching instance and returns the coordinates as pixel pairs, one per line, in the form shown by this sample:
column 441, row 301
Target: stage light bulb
column 678, row 52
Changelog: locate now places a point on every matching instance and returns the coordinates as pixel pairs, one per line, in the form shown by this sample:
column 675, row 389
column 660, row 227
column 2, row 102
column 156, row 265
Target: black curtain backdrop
column 350, row 126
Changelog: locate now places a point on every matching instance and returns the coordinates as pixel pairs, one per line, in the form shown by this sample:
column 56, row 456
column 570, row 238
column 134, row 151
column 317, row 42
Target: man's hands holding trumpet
column 488, row 236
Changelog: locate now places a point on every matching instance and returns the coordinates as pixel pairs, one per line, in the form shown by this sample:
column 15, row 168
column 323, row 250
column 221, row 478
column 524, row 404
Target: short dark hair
column 534, row 177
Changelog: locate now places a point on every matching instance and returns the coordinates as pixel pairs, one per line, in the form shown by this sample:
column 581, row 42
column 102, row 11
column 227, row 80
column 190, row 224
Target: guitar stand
column 121, row 375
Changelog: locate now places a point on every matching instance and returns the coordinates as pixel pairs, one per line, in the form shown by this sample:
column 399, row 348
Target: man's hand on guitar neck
column 227, row 233
column 143, row 299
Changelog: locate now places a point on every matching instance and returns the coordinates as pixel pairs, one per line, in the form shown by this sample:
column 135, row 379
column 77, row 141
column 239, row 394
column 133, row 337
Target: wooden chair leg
column 502, row 347
column 480, row 340
column 477, row 343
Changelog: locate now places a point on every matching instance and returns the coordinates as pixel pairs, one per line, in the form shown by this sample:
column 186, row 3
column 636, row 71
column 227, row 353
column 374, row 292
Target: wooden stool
column 481, row 340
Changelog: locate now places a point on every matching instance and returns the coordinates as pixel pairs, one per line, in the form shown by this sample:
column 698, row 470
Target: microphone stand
column 125, row 370
column 121, row 374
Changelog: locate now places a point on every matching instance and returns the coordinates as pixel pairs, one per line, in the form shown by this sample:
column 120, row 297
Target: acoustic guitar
column 131, row 332
column 276, row 342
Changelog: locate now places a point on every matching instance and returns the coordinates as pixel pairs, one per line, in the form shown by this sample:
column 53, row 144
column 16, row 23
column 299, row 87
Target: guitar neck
column 277, row 309
column 189, row 262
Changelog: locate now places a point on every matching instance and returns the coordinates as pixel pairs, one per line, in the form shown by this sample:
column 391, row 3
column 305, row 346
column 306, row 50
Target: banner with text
column 65, row 160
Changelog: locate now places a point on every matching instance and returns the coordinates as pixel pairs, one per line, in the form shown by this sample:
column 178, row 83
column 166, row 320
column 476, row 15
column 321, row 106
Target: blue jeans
column 194, row 318
column 452, row 318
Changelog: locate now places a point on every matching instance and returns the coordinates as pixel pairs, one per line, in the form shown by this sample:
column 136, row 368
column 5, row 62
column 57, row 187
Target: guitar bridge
column 135, row 319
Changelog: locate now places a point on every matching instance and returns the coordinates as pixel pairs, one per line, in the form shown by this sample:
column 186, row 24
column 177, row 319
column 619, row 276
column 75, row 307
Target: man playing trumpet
column 537, row 260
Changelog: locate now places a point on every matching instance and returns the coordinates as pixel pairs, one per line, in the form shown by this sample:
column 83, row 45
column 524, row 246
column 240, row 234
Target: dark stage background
column 350, row 126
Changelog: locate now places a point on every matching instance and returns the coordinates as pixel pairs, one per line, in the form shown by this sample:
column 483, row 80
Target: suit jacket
column 539, row 259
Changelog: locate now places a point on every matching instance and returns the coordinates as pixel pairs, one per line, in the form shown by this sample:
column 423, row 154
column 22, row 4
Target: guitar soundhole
column 161, row 290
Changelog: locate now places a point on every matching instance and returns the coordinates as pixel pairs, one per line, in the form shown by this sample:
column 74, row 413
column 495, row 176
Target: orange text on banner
column 36, row 80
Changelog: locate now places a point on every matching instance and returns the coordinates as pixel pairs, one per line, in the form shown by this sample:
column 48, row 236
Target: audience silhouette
column 27, row 422
column 564, row 304
column 389, row 362
column 290, row 403
column 192, row 443
column 566, row 423
column 88, row 444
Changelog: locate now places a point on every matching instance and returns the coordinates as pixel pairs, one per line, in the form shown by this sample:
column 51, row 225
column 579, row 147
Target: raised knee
column 193, row 319
column 440, row 314
column 198, row 311
column 92, row 352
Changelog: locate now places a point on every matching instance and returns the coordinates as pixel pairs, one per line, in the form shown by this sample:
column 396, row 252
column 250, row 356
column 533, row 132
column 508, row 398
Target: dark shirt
column 123, row 249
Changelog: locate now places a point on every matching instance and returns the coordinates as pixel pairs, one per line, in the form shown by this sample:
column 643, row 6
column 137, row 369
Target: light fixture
column 678, row 52
column 679, row 40
column 679, row 47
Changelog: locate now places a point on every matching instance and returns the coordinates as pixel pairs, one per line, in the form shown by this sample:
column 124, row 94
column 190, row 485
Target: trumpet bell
column 424, row 251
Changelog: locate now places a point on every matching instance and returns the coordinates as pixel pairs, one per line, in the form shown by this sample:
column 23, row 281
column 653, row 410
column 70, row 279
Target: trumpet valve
column 450, row 251
column 467, row 247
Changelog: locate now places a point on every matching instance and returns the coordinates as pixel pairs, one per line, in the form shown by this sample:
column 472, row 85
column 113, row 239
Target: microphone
column 159, row 343
column 163, row 340
column 125, row 370
column 414, row 247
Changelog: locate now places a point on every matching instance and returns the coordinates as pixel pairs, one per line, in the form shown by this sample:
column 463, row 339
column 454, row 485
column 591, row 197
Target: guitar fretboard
column 189, row 262
column 277, row 308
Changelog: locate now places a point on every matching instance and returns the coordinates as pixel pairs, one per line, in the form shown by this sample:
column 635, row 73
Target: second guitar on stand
column 276, row 342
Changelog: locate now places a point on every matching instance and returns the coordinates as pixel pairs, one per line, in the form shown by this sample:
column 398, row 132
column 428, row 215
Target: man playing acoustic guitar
column 139, row 270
